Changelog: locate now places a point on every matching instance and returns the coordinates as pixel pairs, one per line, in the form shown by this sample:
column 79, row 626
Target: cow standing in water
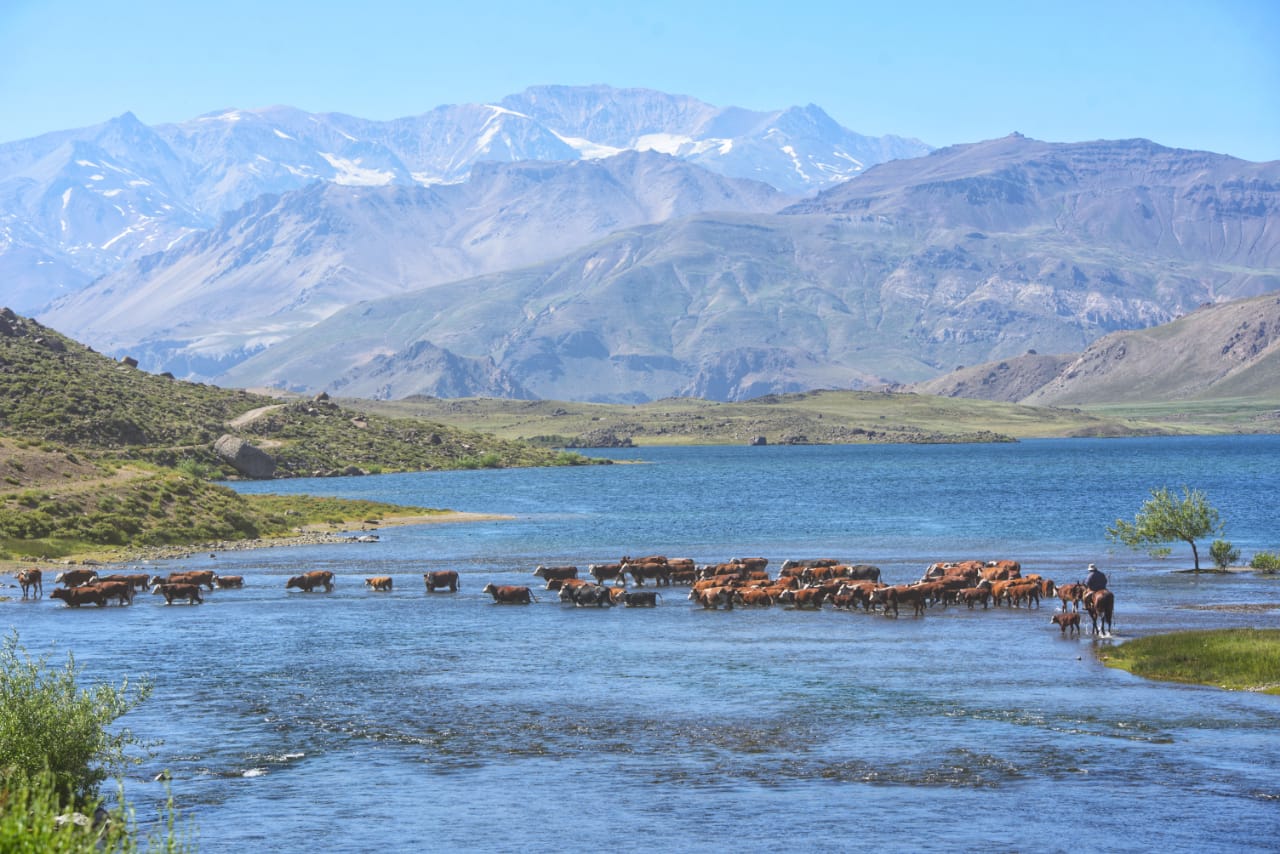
column 31, row 579
column 509, row 594
column 309, row 581
column 441, row 579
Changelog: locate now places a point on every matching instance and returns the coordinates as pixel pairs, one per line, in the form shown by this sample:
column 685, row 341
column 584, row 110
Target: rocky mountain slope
column 1230, row 350
column 971, row 254
column 75, row 204
column 283, row 263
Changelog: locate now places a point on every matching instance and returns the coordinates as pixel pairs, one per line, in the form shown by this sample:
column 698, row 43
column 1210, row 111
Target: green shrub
column 1222, row 554
column 1266, row 561
column 49, row 726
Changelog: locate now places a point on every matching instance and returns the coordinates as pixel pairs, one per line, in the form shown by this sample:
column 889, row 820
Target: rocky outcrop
column 247, row 459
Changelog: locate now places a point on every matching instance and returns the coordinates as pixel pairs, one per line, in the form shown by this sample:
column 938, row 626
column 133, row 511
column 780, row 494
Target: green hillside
column 820, row 417
column 95, row 454
column 55, row 390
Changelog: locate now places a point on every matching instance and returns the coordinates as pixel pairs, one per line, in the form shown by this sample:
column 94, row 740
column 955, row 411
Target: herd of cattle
column 741, row 582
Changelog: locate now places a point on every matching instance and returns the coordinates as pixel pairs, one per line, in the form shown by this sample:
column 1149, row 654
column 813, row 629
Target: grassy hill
column 55, row 390
column 96, row 454
column 821, row 417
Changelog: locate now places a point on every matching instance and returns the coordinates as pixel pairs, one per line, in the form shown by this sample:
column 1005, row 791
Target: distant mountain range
column 974, row 253
column 76, row 204
column 281, row 264
column 599, row 244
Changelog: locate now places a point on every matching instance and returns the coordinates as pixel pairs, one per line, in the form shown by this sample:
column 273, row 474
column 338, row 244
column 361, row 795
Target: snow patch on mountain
column 588, row 149
column 350, row 173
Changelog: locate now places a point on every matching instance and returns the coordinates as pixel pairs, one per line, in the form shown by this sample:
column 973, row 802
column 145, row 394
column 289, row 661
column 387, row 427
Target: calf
column 229, row 582
column 379, row 582
column 1066, row 621
column 641, row 599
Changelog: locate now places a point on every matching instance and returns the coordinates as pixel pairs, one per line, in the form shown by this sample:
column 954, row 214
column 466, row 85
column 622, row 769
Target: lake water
column 355, row 721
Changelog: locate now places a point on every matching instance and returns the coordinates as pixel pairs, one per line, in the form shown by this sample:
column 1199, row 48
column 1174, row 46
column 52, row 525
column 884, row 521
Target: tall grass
column 1237, row 659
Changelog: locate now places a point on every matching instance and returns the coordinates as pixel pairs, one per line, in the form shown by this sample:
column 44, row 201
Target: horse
column 1101, row 605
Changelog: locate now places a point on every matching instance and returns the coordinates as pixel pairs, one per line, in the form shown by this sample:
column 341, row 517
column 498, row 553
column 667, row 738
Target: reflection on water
column 369, row 721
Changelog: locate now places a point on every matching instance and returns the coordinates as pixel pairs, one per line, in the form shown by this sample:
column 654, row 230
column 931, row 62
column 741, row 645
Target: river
column 401, row 721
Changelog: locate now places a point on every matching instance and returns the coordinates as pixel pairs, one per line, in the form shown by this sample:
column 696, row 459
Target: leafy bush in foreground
column 55, row 751
column 50, row 727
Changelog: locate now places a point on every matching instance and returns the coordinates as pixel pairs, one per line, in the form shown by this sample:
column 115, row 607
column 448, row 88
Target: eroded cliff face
column 1217, row 351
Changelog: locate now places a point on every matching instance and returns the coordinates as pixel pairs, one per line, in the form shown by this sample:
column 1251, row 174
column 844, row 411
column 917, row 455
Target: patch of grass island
column 1234, row 659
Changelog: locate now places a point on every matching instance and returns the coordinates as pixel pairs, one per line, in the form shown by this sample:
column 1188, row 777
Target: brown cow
column 132, row 580
column 1023, row 591
column 972, row 595
column 76, row 577
column 309, row 581
column 121, row 590
column 31, row 579
column 808, row 597
column 509, row 594
column 1066, row 621
column 753, row 597
column 660, row 572
column 77, row 596
column 550, row 573
column 603, row 572
column 136, row 581
column 229, row 582
column 200, row 577
column 895, row 596
column 860, row 591
column 440, row 579
column 178, row 590
column 1071, row 594
column 713, row 597
column 379, row 582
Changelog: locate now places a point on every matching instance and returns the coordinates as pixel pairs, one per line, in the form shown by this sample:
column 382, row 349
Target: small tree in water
column 1164, row 518
column 1223, row 554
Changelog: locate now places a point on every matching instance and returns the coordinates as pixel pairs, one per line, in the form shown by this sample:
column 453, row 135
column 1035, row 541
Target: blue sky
column 1203, row 75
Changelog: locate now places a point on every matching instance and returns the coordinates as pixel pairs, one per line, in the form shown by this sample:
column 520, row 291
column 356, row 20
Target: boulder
column 250, row 461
